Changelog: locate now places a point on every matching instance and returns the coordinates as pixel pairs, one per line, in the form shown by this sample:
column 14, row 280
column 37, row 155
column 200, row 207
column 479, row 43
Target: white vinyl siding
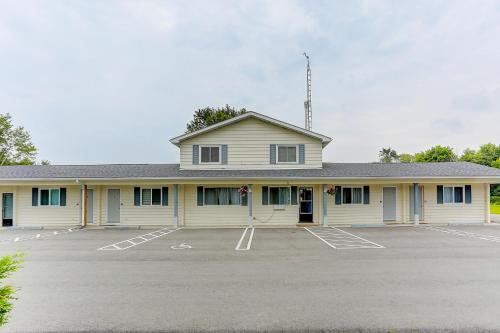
column 248, row 146
column 454, row 212
column 47, row 215
column 212, row 215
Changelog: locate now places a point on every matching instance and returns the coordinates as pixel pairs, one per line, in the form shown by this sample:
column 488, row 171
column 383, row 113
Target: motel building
column 251, row 170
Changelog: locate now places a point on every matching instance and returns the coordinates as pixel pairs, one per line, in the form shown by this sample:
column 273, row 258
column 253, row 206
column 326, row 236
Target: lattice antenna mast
column 307, row 102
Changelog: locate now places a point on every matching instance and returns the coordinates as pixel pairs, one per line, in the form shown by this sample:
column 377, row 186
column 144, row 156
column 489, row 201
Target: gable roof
column 351, row 171
column 251, row 114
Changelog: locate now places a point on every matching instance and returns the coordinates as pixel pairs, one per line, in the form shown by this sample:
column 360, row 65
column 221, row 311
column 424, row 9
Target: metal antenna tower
column 307, row 102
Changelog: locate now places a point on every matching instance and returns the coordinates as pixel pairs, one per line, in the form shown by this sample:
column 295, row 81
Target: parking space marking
column 41, row 235
column 249, row 243
column 341, row 240
column 467, row 234
column 137, row 240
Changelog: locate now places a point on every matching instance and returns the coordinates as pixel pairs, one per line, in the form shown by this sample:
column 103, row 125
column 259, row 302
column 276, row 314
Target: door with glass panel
column 305, row 204
column 7, row 209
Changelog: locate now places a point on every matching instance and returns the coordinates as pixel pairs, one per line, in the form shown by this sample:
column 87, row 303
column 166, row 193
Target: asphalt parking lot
column 315, row 279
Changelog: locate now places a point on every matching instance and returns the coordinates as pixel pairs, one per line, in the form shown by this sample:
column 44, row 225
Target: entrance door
column 421, row 204
column 389, row 201
column 90, row 205
column 113, row 206
column 305, row 204
column 7, row 209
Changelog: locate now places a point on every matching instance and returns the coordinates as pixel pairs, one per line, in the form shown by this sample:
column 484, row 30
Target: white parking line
column 342, row 240
column 467, row 234
column 42, row 235
column 249, row 243
column 128, row 243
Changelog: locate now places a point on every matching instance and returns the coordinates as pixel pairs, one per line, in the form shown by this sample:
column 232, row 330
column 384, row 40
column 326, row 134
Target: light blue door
column 113, row 206
column 7, row 209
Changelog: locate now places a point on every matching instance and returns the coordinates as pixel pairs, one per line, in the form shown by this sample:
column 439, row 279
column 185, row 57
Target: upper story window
column 287, row 154
column 210, row 154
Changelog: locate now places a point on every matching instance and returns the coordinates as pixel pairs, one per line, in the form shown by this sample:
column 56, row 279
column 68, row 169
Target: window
column 453, row 194
column 210, row 154
column 151, row 196
column 352, row 195
column 287, row 154
column 50, row 197
column 222, row 196
column 279, row 195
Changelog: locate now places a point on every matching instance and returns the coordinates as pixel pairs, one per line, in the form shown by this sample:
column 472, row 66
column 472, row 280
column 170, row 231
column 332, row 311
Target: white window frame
column 50, row 190
column 352, row 187
column 210, row 146
column 218, row 205
column 277, row 205
column 287, row 146
column 151, row 203
column 453, row 190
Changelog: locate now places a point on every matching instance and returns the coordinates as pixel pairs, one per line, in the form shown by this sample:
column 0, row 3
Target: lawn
column 495, row 209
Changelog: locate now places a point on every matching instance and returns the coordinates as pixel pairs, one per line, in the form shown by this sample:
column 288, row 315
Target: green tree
column 8, row 265
column 388, row 155
column 209, row 116
column 15, row 144
column 406, row 158
column 436, row 154
column 496, row 164
column 487, row 154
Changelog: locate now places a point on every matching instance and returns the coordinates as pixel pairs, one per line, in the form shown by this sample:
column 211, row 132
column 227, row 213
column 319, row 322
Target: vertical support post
column 325, row 205
column 176, row 205
column 405, row 203
column 487, row 203
column 250, row 205
column 84, row 205
column 416, row 204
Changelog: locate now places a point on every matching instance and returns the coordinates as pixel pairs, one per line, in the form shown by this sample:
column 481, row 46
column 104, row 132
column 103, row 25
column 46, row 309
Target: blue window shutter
column 199, row 195
column 244, row 199
column 265, row 195
column 366, row 195
column 302, row 154
column 62, row 196
column 468, row 194
column 224, row 154
column 293, row 192
column 34, row 196
column 164, row 196
column 338, row 195
column 196, row 154
column 272, row 154
column 439, row 194
column 137, row 196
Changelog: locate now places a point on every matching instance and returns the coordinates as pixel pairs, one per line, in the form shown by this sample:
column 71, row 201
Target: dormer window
column 210, row 154
column 287, row 154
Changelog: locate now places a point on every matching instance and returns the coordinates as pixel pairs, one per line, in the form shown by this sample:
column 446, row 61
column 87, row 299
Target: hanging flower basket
column 330, row 190
column 243, row 190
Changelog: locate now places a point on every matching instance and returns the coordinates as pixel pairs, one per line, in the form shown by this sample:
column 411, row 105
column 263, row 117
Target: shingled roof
column 329, row 171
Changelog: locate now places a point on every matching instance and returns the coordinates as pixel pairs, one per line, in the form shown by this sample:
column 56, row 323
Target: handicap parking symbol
column 182, row 246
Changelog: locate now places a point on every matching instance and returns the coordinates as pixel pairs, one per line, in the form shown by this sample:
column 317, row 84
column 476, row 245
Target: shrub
column 8, row 265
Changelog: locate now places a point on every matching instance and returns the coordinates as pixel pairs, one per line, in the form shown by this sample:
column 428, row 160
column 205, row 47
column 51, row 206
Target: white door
column 90, row 205
column 113, row 205
column 389, row 202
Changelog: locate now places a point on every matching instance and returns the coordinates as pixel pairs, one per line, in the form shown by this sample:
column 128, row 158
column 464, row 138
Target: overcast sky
column 113, row 81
